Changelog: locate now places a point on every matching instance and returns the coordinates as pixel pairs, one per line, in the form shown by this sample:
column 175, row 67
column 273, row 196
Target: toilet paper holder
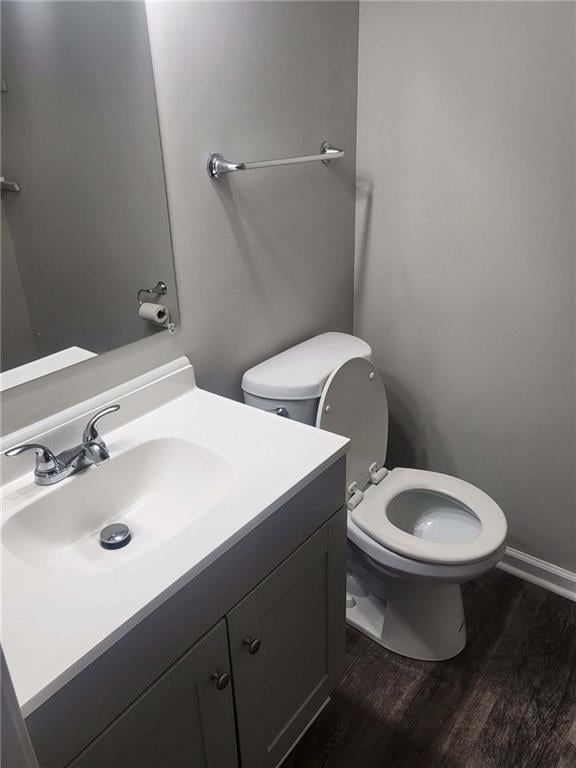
column 160, row 289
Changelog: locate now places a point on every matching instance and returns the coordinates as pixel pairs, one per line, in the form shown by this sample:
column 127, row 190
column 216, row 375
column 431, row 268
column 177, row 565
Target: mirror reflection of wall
column 89, row 226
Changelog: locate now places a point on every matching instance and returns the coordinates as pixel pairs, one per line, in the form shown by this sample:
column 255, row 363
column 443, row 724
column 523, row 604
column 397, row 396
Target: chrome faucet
column 51, row 468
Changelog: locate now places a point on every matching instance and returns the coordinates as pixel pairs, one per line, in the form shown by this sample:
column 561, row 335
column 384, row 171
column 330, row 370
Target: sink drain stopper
column 115, row 536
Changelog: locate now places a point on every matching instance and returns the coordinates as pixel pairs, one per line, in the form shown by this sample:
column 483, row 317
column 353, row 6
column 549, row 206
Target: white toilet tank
column 295, row 378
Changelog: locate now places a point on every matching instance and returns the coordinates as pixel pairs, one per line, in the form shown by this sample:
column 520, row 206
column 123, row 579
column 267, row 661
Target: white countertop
column 54, row 622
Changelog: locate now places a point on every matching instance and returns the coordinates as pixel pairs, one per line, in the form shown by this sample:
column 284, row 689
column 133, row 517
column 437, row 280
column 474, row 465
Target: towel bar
column 218, row 166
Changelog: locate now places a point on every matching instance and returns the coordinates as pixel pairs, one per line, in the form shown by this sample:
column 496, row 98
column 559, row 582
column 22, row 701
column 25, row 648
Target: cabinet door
column 184, row 720
column 287, row 647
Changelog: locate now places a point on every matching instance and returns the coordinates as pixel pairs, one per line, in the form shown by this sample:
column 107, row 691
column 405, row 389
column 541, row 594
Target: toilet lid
column 353, row 404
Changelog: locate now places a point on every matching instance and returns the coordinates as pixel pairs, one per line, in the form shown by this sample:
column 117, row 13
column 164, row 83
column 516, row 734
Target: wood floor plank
column 508, row 701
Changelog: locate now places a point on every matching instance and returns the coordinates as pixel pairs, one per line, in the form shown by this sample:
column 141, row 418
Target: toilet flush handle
column 281, row 411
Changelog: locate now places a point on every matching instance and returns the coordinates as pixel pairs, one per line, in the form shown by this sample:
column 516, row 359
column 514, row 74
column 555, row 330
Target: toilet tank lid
column 299, row 373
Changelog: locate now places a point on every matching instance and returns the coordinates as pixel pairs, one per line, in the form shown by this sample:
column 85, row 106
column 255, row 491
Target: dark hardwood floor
column 508, row 701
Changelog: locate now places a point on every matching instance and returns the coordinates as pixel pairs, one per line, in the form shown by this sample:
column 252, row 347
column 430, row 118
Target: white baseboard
column 539, row 572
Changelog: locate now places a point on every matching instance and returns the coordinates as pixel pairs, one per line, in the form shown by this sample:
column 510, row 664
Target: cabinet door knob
column 222, row 679
column 254, row 645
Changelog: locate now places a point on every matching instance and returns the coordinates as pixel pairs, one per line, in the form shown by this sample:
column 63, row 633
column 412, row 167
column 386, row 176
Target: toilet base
column 419, row 620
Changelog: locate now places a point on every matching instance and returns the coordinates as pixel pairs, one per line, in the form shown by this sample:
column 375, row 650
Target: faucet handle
column 90, row 433
column 46, row 462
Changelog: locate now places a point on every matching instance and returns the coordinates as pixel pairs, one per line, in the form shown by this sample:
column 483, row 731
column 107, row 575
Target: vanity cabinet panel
column 287, row 647
column 184, row 720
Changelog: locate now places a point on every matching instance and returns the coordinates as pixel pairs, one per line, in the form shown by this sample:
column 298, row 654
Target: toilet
column 414, row 536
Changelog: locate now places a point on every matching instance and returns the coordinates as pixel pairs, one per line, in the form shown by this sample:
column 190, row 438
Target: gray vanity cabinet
column 287, row 649
column 184, row 720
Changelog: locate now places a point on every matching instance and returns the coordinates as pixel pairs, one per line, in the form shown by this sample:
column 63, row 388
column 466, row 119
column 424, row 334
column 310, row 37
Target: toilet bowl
column 414, row 536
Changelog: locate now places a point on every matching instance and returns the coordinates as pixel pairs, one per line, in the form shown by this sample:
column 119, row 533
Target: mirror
column 84, row 211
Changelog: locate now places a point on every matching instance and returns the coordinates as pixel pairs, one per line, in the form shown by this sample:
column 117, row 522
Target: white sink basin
column 157, row 488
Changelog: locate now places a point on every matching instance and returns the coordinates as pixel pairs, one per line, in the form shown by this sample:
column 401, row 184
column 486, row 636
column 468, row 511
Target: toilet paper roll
column 155, row 313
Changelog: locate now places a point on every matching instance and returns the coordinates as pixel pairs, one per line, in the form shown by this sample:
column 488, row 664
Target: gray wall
column 263, row 259
column 465, row 277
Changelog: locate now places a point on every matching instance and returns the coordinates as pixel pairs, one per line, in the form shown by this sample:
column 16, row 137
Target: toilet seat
column 400, row 566
column 454, row 522
column 372, row 517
